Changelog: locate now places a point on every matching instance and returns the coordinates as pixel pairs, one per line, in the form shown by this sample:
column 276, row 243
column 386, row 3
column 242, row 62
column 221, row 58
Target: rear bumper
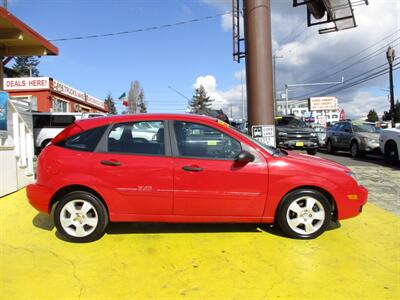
column 351, row 208
column 39, row 197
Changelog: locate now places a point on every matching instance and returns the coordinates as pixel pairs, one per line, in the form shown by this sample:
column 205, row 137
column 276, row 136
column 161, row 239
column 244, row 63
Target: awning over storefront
column 18, row 39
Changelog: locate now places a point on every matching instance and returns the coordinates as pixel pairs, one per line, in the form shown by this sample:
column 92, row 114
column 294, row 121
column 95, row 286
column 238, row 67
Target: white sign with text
column 264, row 134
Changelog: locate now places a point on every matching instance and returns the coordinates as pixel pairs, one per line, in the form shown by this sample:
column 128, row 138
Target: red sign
column 342, row 115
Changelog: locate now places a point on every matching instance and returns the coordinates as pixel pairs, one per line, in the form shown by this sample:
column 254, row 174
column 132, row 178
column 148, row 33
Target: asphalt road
column 381, row 180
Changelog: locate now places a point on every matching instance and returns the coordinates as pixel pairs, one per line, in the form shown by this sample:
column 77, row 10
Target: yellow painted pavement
column 360, row 260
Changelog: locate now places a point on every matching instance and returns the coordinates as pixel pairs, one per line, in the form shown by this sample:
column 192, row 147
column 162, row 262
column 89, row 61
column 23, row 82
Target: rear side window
column 52, row 121
column 61, row 121
column 84, row 141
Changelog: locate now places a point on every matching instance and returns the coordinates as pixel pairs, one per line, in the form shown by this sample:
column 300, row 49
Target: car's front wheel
column 329, row 147
column 355, row 150
column 311, row 151
column 80, row 217
column 304, row 214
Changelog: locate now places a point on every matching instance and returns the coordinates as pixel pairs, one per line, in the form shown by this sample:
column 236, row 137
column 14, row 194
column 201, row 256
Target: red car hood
column 315, row 161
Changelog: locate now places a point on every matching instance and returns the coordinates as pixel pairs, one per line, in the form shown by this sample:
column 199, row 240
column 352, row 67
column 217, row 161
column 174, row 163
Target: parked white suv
column 389, row 142
column 47, row 125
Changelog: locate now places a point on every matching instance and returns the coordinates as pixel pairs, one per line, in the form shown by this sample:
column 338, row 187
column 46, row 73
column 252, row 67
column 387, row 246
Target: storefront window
column 60, row 105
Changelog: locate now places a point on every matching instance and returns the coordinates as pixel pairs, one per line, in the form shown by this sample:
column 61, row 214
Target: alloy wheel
column 305, row 215
column 79, row 218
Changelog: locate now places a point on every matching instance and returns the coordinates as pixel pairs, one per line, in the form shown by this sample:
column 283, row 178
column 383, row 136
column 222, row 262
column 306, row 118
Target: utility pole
column 5, row 4
column 274, row 57
column 259, row 74
column 390, row 57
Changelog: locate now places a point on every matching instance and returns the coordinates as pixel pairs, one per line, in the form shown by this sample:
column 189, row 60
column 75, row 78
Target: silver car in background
column 359, row 138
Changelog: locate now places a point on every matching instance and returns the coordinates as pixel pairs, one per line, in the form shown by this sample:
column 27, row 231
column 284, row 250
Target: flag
column 123, row 98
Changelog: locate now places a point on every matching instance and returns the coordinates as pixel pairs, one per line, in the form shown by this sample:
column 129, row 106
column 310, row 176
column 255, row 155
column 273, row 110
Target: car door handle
column 114, row 163
column 192, row 169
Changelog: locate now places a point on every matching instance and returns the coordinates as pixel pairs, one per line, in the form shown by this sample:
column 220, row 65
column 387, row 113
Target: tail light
column 67, row 132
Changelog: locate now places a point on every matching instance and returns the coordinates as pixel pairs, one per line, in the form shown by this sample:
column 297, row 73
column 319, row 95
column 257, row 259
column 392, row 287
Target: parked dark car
column 293, row 133
column 357, row 137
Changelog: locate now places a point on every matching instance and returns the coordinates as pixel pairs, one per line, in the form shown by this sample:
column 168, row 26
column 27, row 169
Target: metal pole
column 286, row 99
column 390, row 57
column 257, row 27
column 243, row 106
column 1, row 72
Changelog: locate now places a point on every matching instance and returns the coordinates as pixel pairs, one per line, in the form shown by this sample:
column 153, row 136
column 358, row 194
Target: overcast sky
column 188, row 55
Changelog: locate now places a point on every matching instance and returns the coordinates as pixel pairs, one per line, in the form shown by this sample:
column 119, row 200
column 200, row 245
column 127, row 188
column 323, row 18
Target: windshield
column 290, row 122
column 366, row 128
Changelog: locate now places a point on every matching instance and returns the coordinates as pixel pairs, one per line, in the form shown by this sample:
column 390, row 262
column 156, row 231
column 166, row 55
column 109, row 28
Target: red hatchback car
column 184, row 168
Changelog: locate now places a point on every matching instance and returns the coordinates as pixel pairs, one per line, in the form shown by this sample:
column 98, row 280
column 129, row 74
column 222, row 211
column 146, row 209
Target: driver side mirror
column 244, row 157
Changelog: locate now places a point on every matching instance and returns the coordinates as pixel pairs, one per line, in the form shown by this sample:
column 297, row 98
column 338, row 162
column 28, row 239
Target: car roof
column 99, row 121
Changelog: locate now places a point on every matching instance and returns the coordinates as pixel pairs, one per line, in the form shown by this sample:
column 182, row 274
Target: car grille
column 298, row 136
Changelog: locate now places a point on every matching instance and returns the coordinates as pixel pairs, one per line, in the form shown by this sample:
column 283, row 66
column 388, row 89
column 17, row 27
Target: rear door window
column 146, row 138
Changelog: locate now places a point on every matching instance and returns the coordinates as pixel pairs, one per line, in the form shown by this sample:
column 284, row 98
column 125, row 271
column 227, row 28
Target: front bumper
column 296, row 144
column 39, row 197
column 348, row 208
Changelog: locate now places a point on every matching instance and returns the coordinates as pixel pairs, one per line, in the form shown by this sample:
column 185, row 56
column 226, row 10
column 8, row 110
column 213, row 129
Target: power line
column 352, row 82
column 94, row 36
column 313, row 77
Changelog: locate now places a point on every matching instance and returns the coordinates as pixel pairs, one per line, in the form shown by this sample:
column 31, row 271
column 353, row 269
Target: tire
column 329, row 147
column 80, row 217
column 312, row 151
column 355, row 150
column 391, row 153
column 304, row 214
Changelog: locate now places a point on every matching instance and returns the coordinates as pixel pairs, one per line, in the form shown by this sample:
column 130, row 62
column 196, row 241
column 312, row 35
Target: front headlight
column 352, row 175
column 369, row 141
column 281, row 133
column 313, row 134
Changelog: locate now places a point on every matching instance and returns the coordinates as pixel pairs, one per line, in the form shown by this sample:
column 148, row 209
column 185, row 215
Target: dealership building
column 46, row 94
column 322, row 109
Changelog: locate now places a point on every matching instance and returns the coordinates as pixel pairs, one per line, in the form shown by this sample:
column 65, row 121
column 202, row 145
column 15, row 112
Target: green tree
column 372, row 116
column 142, row 103
column 24, row 66
column 397, row 112
column 109, row 101
column 200, row 101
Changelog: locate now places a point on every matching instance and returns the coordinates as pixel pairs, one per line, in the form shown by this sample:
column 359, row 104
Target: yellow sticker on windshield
column 212, row 143
column 220, row 122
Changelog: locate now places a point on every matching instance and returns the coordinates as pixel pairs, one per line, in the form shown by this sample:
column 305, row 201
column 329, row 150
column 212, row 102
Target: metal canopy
column 18, row 39
column 338, row 12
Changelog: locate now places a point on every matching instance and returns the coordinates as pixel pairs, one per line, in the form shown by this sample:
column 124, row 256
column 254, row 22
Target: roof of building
column 18, row 39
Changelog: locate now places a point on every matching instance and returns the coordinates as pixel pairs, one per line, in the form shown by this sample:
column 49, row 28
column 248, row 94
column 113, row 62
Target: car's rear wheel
column 391, row 153
column 304, row 214
column 80, row 217
column 329, row 147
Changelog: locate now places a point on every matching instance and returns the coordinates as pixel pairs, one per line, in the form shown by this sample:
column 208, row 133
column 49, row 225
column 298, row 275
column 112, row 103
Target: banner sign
column 26, row 83
column 64, row 89
column 323, row 103
column 3, row 113
column 94, row 101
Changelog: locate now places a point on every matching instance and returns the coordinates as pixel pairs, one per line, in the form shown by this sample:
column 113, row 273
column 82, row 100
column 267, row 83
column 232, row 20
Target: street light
column 390, row 57
column 287, row 86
